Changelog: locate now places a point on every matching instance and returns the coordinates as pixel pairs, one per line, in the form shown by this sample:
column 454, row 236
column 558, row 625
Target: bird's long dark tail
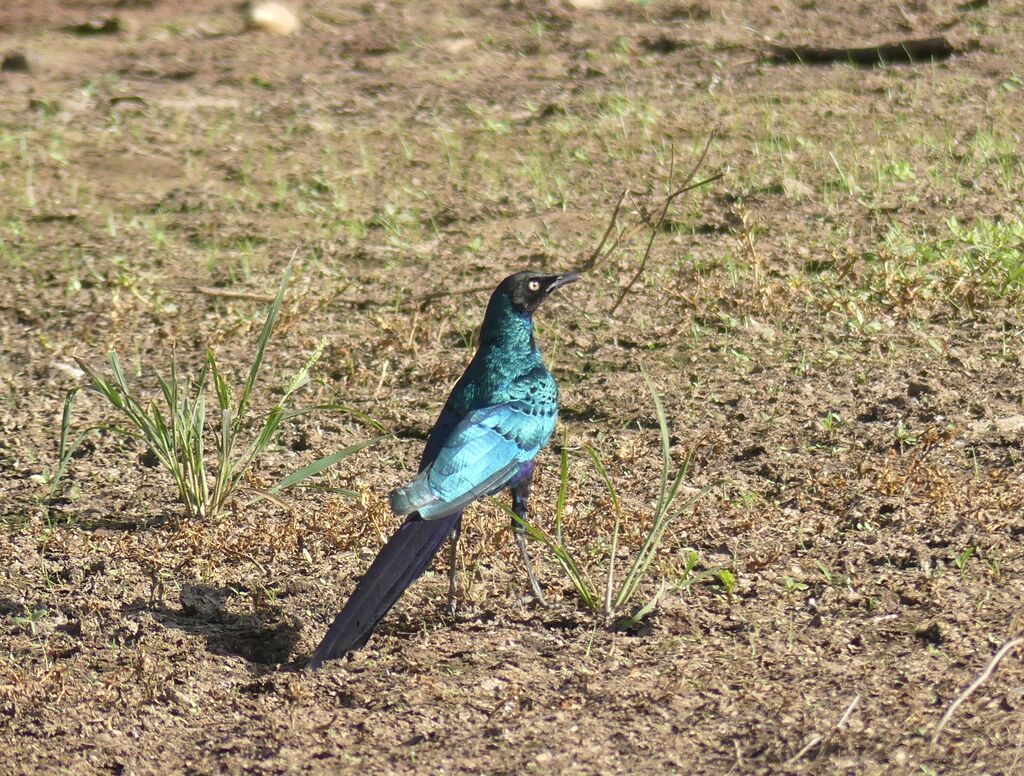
column 400, row 563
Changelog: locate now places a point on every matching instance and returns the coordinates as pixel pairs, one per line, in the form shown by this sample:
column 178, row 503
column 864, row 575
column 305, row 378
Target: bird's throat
column 507, row 330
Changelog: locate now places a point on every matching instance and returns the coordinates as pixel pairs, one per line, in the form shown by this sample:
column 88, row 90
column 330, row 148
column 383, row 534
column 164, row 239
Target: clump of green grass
column 977, row 260
column 175, row 425
column 615, row 595
column 993, row 248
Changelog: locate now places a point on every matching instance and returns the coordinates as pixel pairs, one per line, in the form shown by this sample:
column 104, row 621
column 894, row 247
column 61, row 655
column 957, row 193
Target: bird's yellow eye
column 534, row 285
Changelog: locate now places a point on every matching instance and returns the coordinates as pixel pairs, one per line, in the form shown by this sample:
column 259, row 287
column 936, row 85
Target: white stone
column 273, row 17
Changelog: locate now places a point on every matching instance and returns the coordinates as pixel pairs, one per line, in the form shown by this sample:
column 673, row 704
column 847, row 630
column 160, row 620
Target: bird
column 497, row 418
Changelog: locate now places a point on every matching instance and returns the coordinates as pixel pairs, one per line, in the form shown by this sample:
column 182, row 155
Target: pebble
column 273, row 17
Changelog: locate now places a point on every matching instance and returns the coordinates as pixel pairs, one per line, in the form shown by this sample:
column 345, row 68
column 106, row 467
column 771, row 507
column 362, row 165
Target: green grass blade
column 610, row 584
column 159, row 436
column 665, row 444
column 321, row 464
column 261, row 343
column 220, row 384
column 318, row 488
column 579, row 579
column 115, row 368
column 100, row 385
column 64, row 448
column 641, row 614
column 271, row 425
column 225, row 464
column 226, row 437
column 667, row 492
column 613, row 497
column 563, row 489
column 65, row 422
column 170, row 398
column 609, row 485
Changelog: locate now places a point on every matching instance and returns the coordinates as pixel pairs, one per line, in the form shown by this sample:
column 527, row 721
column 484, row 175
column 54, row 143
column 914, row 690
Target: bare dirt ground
column 835, row 326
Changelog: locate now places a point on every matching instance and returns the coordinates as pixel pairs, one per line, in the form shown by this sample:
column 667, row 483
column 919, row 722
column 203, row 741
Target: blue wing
column 480, row 456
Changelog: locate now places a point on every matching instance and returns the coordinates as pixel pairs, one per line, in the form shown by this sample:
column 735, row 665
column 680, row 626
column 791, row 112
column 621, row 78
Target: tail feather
column 412, row 497
column 400, row 563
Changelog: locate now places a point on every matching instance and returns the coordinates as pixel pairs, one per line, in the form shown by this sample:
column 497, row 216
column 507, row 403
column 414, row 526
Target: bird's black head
column 528, row 289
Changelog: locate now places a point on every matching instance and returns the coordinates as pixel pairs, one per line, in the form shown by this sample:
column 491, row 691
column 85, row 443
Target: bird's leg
column 452, row 566
column 520, row 494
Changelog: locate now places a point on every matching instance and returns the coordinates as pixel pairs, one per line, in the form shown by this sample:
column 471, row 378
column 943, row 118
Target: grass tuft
column 618, row 594
column 175, row 428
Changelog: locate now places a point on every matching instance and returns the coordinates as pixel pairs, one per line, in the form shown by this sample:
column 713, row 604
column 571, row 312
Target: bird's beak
column 563, row 280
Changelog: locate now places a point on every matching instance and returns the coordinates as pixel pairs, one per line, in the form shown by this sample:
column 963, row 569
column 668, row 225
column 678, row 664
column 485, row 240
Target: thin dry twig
column 813, row 742
column 654, row 232
column 604, row 249
column 592, row 261
column 842, row 721
column 687, row 185
column 982, row 677
column 816, row 739
column 623, row 235
column 739, row 753
column 412, row 301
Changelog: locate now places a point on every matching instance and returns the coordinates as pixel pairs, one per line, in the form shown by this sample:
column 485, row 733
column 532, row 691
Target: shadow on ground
column 265, row 637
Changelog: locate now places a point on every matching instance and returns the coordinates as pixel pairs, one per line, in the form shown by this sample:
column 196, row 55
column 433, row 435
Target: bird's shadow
column 263, row 637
